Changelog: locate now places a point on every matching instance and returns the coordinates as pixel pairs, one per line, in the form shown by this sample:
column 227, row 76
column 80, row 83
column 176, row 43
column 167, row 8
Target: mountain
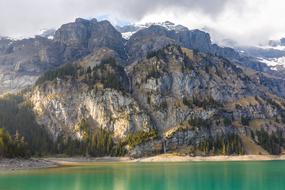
column 174, row 97
column 156, row 36
column 162, row 90
column 49, row 33
column 84, row 36
column 272, row 53
column 23, row 61
column 268, row 60
column 153, row 36
column 128, row 30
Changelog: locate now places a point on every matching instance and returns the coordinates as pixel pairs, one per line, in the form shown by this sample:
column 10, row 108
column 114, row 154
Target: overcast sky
column 246, row 21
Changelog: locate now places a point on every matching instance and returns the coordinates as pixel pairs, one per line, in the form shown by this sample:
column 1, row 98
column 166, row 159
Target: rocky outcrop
column 25, row 60
column 156, row 37
column 190, row 99
column 62, row 105
column 83, row 36
column 97, row 92
column 168, row 82
column 196, row 97
column 21, row 62
column 274, row 84
column 162, row 90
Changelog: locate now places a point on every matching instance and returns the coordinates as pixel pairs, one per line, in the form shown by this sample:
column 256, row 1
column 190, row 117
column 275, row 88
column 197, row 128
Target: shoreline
column 54, row 162
column 175, row 158
column 7, row 164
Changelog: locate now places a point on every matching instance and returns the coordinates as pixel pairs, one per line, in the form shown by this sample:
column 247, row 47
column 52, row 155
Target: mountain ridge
column 43, row 53
column 162, row 90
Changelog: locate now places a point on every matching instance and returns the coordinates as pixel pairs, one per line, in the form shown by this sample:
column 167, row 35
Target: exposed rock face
column 147, row 40
column 189, row 98
column 168, row 89
column 84, row 36
column 169, row 83
column 99, row 95
column 274, row 84
column 165, row 83
column 63, row 105
column 12, row 82
column 181, row 140
column 21, row 62
column 25, row 60
column 156, row 37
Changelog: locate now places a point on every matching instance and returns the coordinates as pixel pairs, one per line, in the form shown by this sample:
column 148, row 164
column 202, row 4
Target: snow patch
column 168, row 25
column 127, row 35
column 274, row 63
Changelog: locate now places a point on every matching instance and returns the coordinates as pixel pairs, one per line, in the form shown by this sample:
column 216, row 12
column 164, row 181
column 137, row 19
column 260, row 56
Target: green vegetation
column 94, row 142
column 224, row 145
column 102, row 144
column 110, row 74
column 141, row 137
column 200, row 122
column 154, row 73
column 279, row 107
column 158, row 54
column 205, row 103
column 245, row 120
column 12, row 147
column 273, row 103
column 65, row 70
column 227, row 122
column 187, row 64
column 271, row 142
column 17, row 117
column 283, row 116
column 161, row 53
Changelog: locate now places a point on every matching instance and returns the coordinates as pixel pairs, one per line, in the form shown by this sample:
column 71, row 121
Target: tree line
column 223, row 145
column 273, row 142
column 11, row 147
column 94, row 142
column 17, row 117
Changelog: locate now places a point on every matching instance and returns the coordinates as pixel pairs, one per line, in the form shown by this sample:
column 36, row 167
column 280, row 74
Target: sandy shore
column 174, row 158
column 161, row 158
column 14, row 164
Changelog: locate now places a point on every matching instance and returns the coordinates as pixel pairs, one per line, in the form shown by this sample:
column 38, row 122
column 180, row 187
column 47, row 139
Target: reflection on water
column 148, row 176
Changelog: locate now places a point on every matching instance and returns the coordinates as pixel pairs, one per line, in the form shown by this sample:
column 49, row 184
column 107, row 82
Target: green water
column 268, row 175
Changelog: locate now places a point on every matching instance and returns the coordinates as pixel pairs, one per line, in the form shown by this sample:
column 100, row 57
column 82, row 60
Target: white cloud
column 246, row 21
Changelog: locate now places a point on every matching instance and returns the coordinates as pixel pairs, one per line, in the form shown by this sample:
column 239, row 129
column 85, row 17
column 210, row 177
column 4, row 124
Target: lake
column 263, row 175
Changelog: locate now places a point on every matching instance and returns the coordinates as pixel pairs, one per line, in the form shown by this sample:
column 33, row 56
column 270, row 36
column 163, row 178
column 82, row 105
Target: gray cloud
column 25, row 17
column 137, row 9
column 247, row 21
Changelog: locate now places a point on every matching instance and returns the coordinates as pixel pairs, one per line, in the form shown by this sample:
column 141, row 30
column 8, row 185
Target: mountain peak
column 128, row 30
column 81, row 20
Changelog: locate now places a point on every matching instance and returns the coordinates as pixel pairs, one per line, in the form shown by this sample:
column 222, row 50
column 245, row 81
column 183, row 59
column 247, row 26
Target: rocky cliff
column 160, row 91
column 23, row 61
column 195, row 102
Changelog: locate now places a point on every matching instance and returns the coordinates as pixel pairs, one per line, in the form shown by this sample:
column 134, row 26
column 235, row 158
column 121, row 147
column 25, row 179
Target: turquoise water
column 268, row 175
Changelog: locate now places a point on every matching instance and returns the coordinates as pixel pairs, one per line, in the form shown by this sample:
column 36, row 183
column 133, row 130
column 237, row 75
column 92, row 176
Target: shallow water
column 266, row 175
